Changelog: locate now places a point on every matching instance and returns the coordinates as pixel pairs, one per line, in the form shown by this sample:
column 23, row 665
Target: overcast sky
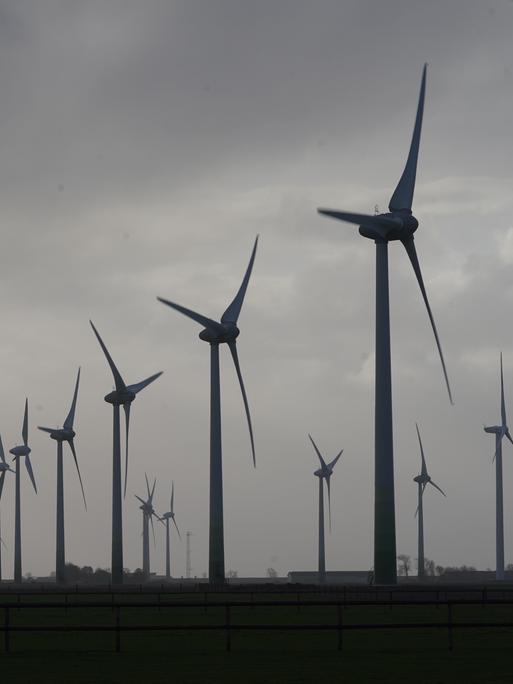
column 143, row 146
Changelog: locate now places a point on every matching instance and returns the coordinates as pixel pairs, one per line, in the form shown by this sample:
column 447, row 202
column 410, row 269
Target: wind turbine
column 165, row 518
column 18, row 452
column 323, row 473
column 398, row 224
column 123, row 395
column 4, row 468
column 215, row 334
column 499, row 431
column 148, row 513
column 422, row 481
column 60, row 435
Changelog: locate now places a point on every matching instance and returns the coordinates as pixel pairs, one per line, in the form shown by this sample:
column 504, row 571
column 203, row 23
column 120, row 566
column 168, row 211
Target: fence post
column 449, row 620
column 118, row 632
column 7, row 645
column 228, row 632
column 340, row 627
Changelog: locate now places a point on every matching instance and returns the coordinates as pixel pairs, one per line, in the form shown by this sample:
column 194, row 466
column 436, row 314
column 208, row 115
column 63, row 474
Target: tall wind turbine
column 123, row 395
column 148, row 512
column 422, row 481
column 398, row 224
column 60, row 435
column 499, row 431
column 215, row 334
column 18, row 452
column 323, row 473
column 165, row 518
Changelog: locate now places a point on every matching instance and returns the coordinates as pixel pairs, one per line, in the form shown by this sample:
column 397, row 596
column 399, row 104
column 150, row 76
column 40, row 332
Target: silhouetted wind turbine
column 123, row 395
column 60, row 435
column 215, row 334
column 18, row 452
column 422, row 481
column 165, row 518
column 148, row 512
column 323, row 473
column 499, row 431
column 398, row 224
column 4, row 468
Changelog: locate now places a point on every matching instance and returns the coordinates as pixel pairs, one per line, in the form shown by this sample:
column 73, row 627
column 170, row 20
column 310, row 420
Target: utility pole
column 188, row 568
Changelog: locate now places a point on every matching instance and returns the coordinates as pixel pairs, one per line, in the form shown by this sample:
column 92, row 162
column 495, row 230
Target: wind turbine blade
column 332, row 464
column 72, row 447
column 118, row 380
column 30, row 471
column 412, row 253
column 503, row 403
column 179, row 535
column 138, row 386
column 235, row 357
column 424, row 467
column 437, row 487
column 126, row 407
column 68, row 423
column 46, row 429
column 381, row 224
column 147, row 485
column 402, row 199
column 231, row 314
column 2, row 454
column 323, row 463
column 153, row 490
column 202, row 320
column 24, row 430
column 141, row 500
column 153, row 530
column 508, row 436
column 2, row 480
column 172, row 497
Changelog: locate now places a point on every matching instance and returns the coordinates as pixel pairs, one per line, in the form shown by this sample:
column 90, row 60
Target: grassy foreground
column 415, row 655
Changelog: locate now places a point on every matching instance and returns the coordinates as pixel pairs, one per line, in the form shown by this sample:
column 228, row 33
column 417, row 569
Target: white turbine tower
column 422, row 481
column 19, row 452
column 123, row 395
column 148, row 512
column 60, row 435
column 165, row 518
column 225, row 332
column 500, row 431
column 397, row 225
column 324, row 473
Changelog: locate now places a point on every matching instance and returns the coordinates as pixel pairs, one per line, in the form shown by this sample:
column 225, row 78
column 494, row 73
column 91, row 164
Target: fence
column 229, row 627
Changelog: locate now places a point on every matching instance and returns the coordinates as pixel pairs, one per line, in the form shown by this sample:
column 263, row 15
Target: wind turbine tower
column 188, row 567
column 398, row 224
column 422, row 481
column 165, row 518
column 148, row 512
column 324, row 474
column 217, row 333
column 499, row 431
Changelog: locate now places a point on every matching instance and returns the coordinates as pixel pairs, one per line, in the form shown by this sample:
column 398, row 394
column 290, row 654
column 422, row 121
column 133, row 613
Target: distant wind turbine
column 165, row 518
column 4, row 468
column 499, row 431
column 323, row 473
column 148, row 513
column 123, row 395
column 60, row 435
column 18, row 452
column 422, row 481
column 215, row 334
column 398, row 224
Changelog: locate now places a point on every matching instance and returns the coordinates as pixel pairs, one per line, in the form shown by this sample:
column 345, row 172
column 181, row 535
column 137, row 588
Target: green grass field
column 420, row 655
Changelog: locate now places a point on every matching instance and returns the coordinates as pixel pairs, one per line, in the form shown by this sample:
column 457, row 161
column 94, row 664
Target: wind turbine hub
column 62, row 435
column 229, row 333
column 20, row 451
column 118, row 398
column 407, row 224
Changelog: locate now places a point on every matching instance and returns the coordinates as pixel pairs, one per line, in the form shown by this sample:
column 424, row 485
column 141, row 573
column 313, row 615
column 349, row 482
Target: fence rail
column 228, row 626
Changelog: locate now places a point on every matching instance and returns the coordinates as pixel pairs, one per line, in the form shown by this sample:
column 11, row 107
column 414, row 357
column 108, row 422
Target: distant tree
column 404, row 564
column 439, row 569
column 429, row 567
column 232, row 574
column 509, row 567
column 271, row 572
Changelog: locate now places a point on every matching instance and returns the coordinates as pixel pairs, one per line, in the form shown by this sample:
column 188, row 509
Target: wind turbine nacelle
column 422, row 479
column 20, row 451
column 117, row 398
column 62, row 435
column 229, row 334
column 494, row 429
column 407, row 224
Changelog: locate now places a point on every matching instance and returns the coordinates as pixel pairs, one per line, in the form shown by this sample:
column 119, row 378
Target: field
column 301, row 654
